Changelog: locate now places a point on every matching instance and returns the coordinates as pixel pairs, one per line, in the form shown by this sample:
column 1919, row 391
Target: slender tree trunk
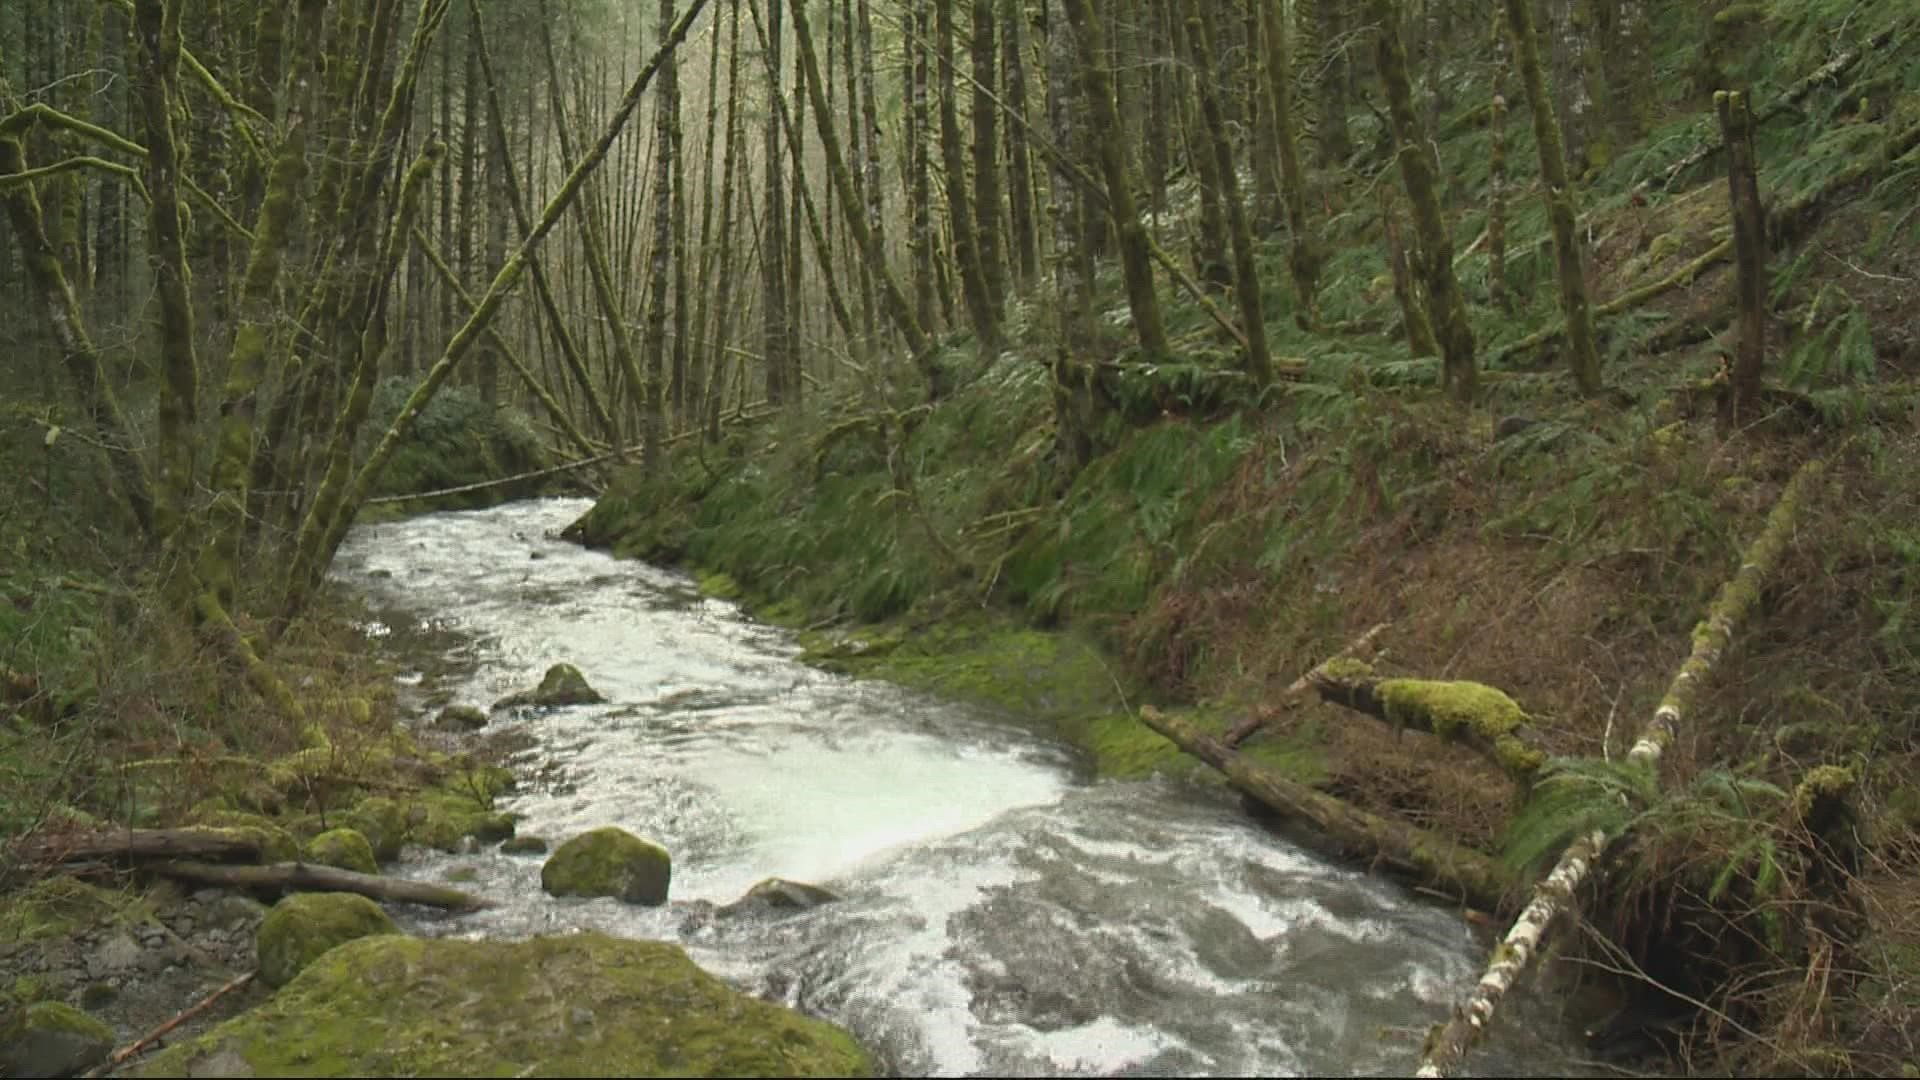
column 774, row 327
column 1246, row 280
column 870, row 182
column 1742, row 403
column 1072, row 370
column 1135, row 261
column 920, row 193
column 1331, row 82
column 1582, row 355
column 654, row 347
column 960, row 218
column 1447, row 305
column 986, row 163
column 1497, row 168
column 1020, row 213
column 723, row 298
column 1304, row 257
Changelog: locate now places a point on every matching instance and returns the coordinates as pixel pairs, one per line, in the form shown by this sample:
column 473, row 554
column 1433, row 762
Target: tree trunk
column 960, row 217
column 654, row 347
column 986, row 163
column 1582, row 356
column 775, row 339
column 1246, row 280
column 1135, row 261
column 1447, row 305
column 1466, row 874
column 1020, row 210
column 1742, row 402
column 1305, row 256
column 1497, row 168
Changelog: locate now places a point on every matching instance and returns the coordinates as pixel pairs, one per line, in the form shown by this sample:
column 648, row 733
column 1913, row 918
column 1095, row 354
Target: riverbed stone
column 49, row 1038
column 301, row 929
column 344, row 849
column 609, row 862
column 461, row 718
column 578, row 1005
column 382, row 822
column 780, row 894
column 524, row 845
column 562, row 685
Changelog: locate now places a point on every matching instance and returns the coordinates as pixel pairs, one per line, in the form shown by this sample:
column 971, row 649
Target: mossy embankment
column 1224, row 538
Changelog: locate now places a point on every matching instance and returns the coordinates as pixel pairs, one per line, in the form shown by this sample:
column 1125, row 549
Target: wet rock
column 524, row 845
column 51, row 1039
column 609, row 862
column 300, row 929
column 117, row 954
column 229, row 912
column 400, row 1006
column 461, row 718
column 562, row 685
column 382, row 822
column 779, row 894
column 344, row 849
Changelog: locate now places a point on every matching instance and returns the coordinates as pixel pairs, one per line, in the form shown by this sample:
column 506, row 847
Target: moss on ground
column 301, row 928
column 581, row 1005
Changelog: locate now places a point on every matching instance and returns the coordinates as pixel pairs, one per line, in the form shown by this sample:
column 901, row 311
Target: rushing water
column 1001, row 913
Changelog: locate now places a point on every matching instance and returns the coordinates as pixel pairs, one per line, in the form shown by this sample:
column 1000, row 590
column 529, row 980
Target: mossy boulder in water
column 382, row 822
column 562, row 685
column 580, row 1005
column 300, row 929
column 779, row 894
column 48, row 1038
column 461, row 718
column 609, row 862
column 345, row 849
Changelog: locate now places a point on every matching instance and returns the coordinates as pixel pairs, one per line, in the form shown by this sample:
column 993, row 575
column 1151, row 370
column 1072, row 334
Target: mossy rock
column 345, row 849
column 382, row 823
column 780, row 895
column 609, row 862
column 579, row 1005
column 460, row 718
column 49, row 1038
column 562, row 685
column 54, row 907
column 300, row 929
column 524, row 845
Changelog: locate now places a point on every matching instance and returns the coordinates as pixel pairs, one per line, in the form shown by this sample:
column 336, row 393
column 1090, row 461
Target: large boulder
column 562, row 685
column 609, row 862
column 48, row 1038
column 302, row 928
column 345, row 849
column 579, row 1005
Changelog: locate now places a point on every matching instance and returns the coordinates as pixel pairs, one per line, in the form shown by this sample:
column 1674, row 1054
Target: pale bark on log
column 1448, row 1044
column 1444, row 864
column 306, row 877
column 136, row 845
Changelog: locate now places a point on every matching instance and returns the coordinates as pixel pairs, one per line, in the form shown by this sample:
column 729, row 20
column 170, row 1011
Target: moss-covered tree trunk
column 870, row 169
column 666, row 108
column 1136, row 264
column 1742, row 401
column 1304, row 255
column 1582, row 356
column 1246, row 280
column 919, row 166
column 986, row 162
column 1021, row 227
column 722, row 326
column 964, row 237
column 1329, row 18
column 1446, row 303
column 1072, row 266
column 775, row 316
column 1497, row 167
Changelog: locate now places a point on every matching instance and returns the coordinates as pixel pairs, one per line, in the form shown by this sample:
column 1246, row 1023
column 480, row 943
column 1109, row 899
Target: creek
column 1004, row 912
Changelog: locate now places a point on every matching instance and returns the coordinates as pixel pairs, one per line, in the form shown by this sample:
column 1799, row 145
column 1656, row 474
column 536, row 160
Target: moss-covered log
column 1473, row 714
column 1449, row 1043
column 1360, row 647
column 136, row 845
column 289, row 877
column 1440, row 863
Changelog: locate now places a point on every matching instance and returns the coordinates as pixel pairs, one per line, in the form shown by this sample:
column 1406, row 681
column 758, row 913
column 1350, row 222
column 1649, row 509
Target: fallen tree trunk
column 137, row 845
column 1466, row 874
column 306, row 877
column 1448, row 1044
column 1633, row 297
column 1360, row 646
column 1473, row 714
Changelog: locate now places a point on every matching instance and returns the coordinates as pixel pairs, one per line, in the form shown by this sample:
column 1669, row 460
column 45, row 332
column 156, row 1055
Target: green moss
column 276, row 843
column 382, row 822
column 1124, row 748
column 346, row 849
column 50, row 1038
column 720, row 586
column 579, row 1005
column 301, row 928
column 57, row 906
column 1464, row 709
column 524, row 845
column 609, row 862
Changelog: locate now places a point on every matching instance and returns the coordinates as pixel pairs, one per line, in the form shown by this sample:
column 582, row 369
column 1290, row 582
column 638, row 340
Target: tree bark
column 1446, row 304
column 1742, row 401
column 1582, row 356
column 1246, row 281
column 135, row 845
column 290, row 877
column 1479, row 717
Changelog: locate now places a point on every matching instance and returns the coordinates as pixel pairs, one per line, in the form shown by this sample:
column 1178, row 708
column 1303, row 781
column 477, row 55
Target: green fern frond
column 1575, row 796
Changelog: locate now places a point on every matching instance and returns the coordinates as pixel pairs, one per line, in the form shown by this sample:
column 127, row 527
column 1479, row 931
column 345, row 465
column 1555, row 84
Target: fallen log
column 306, row 877
column 1448, row 1044
column 1633, row 297
column 136, row 845
column 1461, row 872
column 1475, row 715
column 1360, row 646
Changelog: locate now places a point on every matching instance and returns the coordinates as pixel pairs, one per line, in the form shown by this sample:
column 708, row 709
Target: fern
column 1573, row 797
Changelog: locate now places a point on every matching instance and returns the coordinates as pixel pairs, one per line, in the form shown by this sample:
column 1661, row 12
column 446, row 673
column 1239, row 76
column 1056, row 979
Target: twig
column 124, row 1054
